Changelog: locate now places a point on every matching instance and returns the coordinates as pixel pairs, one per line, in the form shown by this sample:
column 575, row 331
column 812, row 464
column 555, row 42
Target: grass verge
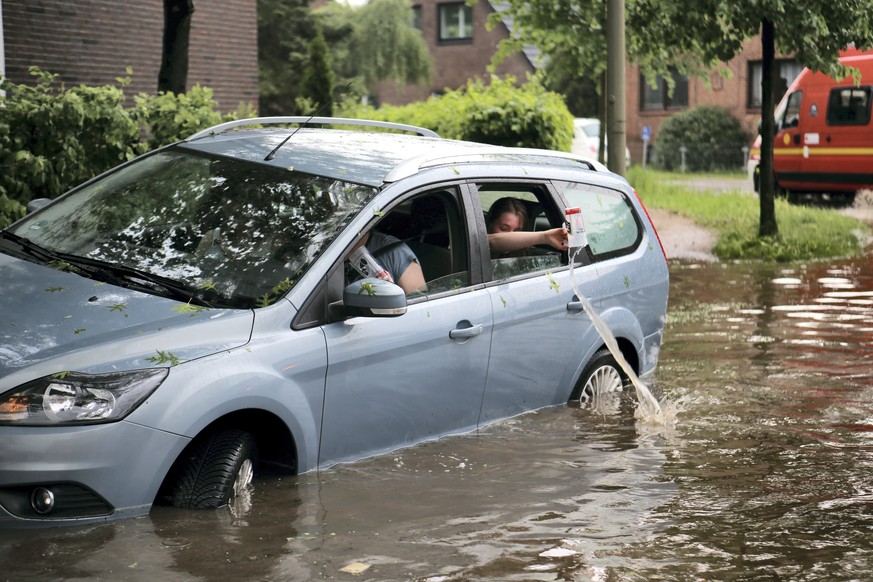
column 805, row 232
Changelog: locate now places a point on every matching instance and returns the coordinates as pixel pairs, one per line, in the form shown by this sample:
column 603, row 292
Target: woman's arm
column 505, row 242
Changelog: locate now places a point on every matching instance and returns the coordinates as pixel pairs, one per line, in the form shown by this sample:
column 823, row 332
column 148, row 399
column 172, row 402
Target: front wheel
column 217, row 468
column 602, row 375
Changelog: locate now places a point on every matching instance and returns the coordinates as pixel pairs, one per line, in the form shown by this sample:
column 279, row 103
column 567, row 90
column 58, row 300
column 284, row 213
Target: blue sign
column 647, row 133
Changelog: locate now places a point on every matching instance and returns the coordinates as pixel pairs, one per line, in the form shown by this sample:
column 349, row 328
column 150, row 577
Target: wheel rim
column 603, row 380
column 243, row 477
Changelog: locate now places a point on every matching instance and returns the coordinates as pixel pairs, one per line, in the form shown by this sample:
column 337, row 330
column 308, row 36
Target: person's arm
column 412, row 278
column 505, row 242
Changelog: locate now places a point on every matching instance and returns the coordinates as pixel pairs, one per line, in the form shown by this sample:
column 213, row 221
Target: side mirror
column 37, row 204
column 371, row 297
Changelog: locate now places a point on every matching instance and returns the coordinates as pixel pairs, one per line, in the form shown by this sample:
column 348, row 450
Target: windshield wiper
column 125, row 276
column 120, row 275
column 28, row 248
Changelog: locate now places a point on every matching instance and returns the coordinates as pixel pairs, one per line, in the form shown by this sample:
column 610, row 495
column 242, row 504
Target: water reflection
column 768, row 473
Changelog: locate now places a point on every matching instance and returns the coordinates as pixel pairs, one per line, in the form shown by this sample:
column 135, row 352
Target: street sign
column 647, row 133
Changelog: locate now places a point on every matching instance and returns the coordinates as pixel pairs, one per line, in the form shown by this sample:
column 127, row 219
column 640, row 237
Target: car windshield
column 229, row 232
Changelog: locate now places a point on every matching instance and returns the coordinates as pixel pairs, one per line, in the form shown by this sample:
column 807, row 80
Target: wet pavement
column 767, row 473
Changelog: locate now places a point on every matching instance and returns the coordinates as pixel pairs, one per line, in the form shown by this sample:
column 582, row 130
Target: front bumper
column 94, row 473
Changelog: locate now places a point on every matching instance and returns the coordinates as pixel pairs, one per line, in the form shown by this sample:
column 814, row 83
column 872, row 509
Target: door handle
column 796, row 139
column 574, row 306
column 466, row 332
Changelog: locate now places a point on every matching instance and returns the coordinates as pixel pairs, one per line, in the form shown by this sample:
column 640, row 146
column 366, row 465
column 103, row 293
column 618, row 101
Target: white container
column 363, row 262
column 576, row 226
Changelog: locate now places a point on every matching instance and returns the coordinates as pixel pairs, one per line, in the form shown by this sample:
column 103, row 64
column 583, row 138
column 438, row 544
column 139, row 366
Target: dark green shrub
column 52, row 138
column 498, row 113
column 167, row 117
column 713, row 139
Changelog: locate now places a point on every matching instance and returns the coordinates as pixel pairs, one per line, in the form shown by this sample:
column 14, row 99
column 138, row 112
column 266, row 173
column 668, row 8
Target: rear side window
column 849, row 106
column 611, row 224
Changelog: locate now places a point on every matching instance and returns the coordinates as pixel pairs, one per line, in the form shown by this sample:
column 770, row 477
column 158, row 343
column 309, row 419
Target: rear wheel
column 602, row 375
column 216, row 468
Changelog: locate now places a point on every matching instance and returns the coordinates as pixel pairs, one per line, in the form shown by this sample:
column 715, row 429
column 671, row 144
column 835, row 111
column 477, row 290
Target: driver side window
column 428, row 230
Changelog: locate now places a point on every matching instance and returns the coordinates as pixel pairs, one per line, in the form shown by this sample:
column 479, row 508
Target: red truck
column 824, row 136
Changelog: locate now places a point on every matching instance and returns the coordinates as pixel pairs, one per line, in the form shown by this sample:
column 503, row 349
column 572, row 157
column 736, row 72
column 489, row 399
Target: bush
column 167, row 117
column 53, row 138
column 496, row 113
column 713, row 139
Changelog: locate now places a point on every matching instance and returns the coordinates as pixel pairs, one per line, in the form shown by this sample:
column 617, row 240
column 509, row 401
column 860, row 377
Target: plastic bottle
column 363, row 262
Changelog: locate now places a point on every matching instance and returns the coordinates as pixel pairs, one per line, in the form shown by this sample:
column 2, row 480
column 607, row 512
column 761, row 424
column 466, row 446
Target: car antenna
column 272, row 154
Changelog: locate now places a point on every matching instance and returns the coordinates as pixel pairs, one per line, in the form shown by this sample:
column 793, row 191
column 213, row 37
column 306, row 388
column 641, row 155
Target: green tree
column 813, row 31
column 695, row 36
column 285, row 29
column 318, row 78
column 375, row 42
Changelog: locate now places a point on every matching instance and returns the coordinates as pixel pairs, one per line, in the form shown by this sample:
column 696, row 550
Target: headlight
column 74, row 398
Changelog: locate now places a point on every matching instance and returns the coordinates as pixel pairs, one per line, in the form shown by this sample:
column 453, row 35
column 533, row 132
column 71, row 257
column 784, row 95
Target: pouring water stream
column 649, row 410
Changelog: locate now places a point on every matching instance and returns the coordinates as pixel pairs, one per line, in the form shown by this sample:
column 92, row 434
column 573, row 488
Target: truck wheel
column 601, row 375
column 218, row 467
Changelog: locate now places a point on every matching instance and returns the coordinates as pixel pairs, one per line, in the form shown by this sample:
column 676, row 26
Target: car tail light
column 657, row 236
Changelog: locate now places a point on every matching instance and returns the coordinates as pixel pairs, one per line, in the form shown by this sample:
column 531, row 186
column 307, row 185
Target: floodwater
column 766, row 475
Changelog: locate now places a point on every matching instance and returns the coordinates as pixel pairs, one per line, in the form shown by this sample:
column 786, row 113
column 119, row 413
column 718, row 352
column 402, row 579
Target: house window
column 786, row 71
column 456, row 22
column 416, row 17
column 658, row 98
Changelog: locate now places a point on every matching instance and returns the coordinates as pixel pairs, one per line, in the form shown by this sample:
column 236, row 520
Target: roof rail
column 222, row 127
column 490, row 154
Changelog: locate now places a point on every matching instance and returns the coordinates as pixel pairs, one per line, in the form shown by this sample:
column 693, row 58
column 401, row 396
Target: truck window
column 791, row 118
column 849, row 106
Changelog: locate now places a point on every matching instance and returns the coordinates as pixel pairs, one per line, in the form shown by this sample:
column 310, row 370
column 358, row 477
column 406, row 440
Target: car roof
column 366, row 157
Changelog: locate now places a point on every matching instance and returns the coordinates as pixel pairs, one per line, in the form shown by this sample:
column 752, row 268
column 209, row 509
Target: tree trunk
column 767, row 186
column 173, row 75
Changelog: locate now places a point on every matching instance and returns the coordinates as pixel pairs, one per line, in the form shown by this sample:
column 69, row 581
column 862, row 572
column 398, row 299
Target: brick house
column 739, row 93
column 92, row 42
column 460, row 46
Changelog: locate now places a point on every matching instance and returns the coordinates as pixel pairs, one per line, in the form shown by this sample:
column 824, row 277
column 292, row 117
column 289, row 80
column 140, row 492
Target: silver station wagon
column 271, row 297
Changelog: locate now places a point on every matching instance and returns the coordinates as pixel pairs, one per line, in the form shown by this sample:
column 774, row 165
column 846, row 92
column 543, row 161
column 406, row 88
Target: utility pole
column 616, row 120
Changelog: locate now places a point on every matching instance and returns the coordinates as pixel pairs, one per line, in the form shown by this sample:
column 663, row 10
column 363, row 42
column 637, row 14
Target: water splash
column 649, row 410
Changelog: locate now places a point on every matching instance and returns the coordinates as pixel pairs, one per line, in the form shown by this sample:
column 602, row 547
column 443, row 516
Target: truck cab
column 823, row 143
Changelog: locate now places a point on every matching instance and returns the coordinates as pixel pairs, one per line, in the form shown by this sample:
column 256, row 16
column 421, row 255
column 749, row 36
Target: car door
column 392, row 382
column 540, row 329
column 787, row 147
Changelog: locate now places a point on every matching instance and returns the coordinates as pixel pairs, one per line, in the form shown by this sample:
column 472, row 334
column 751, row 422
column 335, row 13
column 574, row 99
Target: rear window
column 611, row 224
column 849, row 106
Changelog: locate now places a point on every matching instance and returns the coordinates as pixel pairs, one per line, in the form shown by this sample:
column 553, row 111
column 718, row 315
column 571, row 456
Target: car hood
column 53, row 321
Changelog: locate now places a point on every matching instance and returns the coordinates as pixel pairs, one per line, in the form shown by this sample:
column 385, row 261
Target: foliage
column 318, row 79
column 53, row 138
column 813, row 32
column 806, row 233
column 168, row 117
column 285, row 29
column 658, row 37
column 712, row 136
column 374, row 42
column 498, row 113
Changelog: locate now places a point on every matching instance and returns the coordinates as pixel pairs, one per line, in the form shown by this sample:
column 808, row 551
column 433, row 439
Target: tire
column 601, row 375
column 217, row 467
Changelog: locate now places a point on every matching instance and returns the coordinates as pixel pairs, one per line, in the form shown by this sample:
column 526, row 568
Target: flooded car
column 277, row 298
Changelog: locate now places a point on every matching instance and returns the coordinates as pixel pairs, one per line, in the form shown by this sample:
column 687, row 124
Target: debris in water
column 355, row 568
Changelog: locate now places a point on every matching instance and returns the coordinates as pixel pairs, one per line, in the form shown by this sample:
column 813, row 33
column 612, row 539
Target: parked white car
column 586, row 138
